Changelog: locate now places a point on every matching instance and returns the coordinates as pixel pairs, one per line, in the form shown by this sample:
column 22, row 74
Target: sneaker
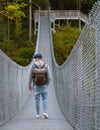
column 37, row 116
column 45, row 115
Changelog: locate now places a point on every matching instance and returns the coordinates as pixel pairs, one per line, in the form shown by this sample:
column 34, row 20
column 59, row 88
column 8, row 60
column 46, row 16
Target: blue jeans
column 44, row 96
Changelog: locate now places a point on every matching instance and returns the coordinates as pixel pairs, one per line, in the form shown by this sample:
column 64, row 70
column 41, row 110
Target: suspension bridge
column 74, row 92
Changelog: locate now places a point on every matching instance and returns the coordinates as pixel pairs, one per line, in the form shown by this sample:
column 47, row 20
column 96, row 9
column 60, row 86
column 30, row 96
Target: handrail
column 38, row 34
column 13, row 87
column 77, row 80
column 61, row 14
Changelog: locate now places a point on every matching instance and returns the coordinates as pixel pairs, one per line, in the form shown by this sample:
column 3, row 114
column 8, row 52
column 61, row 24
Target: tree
column 30, row 20
column 14, row 12
column 86, row 5
column 39, row 3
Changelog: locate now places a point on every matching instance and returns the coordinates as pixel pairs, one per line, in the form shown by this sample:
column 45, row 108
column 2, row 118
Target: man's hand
column 30, row 88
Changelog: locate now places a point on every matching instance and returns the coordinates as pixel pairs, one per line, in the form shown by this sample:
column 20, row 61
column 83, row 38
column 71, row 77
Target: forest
column 15, row 38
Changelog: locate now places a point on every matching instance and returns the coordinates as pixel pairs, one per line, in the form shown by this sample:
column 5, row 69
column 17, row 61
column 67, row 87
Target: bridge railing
column 70, row 14
column 37, row 14
column 13, row 87
column 61, row 14
column 77, row 81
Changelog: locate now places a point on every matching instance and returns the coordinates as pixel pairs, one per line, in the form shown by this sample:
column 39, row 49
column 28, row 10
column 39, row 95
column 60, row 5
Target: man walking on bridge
column 40, row 75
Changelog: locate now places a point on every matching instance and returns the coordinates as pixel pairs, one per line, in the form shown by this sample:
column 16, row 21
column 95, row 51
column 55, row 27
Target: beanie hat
column 37, row 56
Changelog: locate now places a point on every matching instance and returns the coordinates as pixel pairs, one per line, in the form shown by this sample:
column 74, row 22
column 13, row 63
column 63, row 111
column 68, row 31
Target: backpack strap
column 43, row 66
column 39, row 67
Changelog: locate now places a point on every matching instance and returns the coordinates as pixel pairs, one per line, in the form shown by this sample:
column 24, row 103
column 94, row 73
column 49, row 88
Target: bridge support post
column 59, row 22
column 79, row 24
column 54, row 27
column 35, row 27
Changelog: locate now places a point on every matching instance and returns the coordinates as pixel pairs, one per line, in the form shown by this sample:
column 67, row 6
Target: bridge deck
column 26, row 119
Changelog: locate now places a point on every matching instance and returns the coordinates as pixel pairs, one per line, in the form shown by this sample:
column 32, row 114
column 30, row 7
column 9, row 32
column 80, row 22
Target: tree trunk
column 18, row 27
column 8, row 29
column 61, row 4
column 30, row 20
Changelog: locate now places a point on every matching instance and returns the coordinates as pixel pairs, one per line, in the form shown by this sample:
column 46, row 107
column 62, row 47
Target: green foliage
column 26, row 53
column 86, row 5
column 25, row 56
column 22, row 61
column 3, row 29
column 14, row 10
column 39, row 3
column 8, row 47
column 64, row 40
column 20, row 53
column 17, row 28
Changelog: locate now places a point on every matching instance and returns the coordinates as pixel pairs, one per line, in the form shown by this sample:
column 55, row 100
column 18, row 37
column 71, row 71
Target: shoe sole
column 45, row 117
column 37, row 116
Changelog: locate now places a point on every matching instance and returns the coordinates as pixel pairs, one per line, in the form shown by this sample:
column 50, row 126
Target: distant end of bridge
column 60, row 15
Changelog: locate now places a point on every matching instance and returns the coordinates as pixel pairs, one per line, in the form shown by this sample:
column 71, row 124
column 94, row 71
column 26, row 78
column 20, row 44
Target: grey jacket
column 39, row 64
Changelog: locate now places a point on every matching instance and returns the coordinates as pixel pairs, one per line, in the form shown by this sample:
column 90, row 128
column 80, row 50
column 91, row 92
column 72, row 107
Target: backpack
column 40, row 75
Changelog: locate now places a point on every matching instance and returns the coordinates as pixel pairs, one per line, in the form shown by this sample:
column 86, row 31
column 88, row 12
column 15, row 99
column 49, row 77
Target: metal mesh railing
column 13, row 87
column 77, row 80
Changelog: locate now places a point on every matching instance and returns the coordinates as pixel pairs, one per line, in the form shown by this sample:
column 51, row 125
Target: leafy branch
column 14, row 10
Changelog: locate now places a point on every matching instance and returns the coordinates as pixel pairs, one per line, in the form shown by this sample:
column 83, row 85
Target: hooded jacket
column 39, row 63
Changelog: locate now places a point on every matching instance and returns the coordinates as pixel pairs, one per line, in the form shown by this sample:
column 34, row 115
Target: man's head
column 38, row 56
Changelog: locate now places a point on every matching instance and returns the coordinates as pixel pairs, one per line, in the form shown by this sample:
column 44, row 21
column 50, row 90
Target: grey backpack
column 40, row 75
